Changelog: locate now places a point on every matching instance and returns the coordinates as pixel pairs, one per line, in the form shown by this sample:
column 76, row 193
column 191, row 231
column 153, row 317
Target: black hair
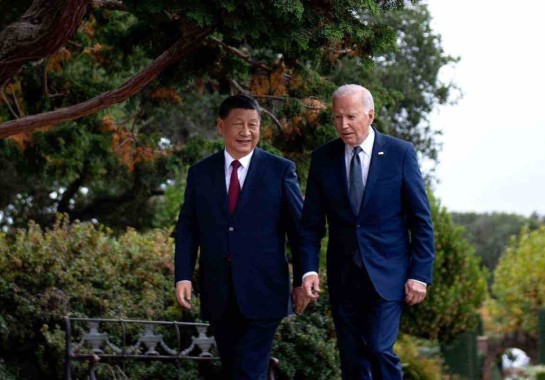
column 238, row 101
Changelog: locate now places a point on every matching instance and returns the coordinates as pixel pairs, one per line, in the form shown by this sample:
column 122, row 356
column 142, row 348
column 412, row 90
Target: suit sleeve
column 186, row 234
column 419, row 220
column 312, row 222
column 293, row 205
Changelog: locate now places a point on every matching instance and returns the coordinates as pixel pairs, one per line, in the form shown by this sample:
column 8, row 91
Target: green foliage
column 459, row 286
column 114, row 166
column 519, row 284
column 490, row 233
column 404, row 80
column 167, row 209
column 535, row 372
column 5, row 371
column 306, row 348
column 421, row 360
column 81, row 270
column 306, row 345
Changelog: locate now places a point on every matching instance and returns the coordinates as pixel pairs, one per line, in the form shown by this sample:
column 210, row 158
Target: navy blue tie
column 356, row 180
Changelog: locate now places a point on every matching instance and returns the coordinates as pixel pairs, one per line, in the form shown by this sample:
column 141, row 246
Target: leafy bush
column 306, row 345
column 459, row 285
column 81, row 270
column 535, row 372
column 85, row 270
column 5, row 372
column 519, row 285
column 421, row 359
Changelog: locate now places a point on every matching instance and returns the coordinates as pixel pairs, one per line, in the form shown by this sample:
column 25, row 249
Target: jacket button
column 357, row 225
column 231, row 229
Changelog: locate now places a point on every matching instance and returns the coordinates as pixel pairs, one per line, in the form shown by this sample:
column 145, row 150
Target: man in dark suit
column 239, row 205
column 380, row 253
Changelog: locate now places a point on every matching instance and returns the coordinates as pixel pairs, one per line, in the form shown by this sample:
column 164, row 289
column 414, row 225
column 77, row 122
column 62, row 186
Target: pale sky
column 493, row 156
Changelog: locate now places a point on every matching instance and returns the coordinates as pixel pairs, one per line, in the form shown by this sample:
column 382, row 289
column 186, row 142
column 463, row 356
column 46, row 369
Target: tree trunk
column 40, row 32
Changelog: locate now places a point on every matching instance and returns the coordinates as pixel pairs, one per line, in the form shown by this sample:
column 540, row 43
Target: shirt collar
column 244, row 161
column 366, row 145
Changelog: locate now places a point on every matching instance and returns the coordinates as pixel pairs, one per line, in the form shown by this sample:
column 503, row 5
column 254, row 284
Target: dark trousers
column 244, row 344
column 367, row 327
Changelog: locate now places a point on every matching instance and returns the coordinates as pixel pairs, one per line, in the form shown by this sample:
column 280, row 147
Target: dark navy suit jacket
column 392, row 230
column 250, row 245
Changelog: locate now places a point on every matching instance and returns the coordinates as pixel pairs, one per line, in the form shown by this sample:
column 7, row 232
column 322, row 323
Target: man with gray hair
column 380, row 254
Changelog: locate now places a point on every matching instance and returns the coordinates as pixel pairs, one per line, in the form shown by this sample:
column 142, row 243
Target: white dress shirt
column 242, row 169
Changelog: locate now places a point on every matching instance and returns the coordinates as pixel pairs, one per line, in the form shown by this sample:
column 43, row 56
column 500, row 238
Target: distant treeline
column 490, row 233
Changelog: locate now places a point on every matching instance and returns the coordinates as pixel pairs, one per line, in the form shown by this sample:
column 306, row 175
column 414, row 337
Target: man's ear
column 219, row 125
column 371, row 116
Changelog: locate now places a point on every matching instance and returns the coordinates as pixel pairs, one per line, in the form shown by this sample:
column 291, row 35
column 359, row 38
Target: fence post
column 68, row 348
column 461, row 356
column 541, row 335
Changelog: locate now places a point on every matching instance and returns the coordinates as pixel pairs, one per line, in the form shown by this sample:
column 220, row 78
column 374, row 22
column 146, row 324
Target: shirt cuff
column 420, row 282
column 183, row 281
column 309, row 273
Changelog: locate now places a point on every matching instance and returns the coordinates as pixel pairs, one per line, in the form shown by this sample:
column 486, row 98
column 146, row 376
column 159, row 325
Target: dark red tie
column 234, row 187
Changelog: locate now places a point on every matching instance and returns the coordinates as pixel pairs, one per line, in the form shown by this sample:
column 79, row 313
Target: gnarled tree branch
column 242, row 55
column 263, row 109
column 128, row 89
column 41, row 31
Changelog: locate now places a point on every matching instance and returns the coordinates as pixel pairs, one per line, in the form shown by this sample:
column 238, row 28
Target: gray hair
column 356, row 89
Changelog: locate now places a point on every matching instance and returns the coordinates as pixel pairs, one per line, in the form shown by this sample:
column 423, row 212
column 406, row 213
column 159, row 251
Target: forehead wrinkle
column 347, row 110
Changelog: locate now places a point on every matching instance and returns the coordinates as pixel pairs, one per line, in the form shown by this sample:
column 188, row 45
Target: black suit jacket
column 269, row 207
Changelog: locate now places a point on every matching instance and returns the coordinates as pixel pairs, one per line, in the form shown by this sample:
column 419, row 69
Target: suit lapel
column 255, row 171
column 374, row 168
column 218, row 182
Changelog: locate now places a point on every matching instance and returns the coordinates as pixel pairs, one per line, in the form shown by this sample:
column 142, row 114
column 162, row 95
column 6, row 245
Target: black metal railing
column 99, row 340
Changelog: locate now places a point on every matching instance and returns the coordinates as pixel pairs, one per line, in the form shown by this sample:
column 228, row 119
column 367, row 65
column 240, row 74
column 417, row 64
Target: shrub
column 81, row 270
column 459, row 285
column 519, row 285
column 421, row 359
column 85, row 270
column 535, row 372
column 5, row 372
column 306, row 344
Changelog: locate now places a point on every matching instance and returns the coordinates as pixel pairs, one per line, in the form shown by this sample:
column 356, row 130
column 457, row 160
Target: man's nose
column 245, row 130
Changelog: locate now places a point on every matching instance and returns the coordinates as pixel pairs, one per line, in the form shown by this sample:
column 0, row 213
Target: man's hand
column 311, row 285
column 300, row 299
column 183, row 294
column 415, row 292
